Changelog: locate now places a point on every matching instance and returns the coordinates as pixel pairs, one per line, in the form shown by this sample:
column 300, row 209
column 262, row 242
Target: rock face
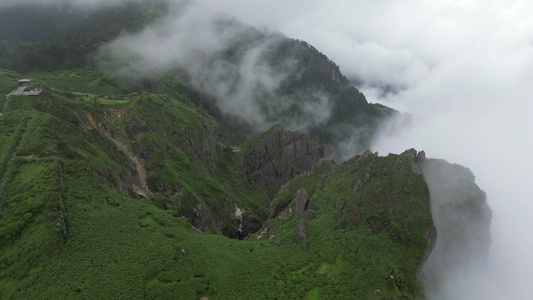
column 301, row 234
column 431, row 237
column 201, row 143
column 301, row 202
column 462, row 218
column 280, row 156
column 418, row 159
column 358, row 186
column 370, row 204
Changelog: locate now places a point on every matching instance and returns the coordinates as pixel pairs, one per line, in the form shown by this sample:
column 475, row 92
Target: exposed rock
column 277, row 206
column 340, row 205
column 367, row 154
column 302, row 199
column 323, row 178
column 308, row 216
column 199, row 140
column 358, row 186
column 320, row 164
column 331, row 154
column 367, row 177
column 431, row 237
column 420, row 159
column 412, row 151
column 417, row 160
column 301, row 235
column 265, row 231
column 280, row 156
column 212, row 165
column 156, row 185
column 145, row 151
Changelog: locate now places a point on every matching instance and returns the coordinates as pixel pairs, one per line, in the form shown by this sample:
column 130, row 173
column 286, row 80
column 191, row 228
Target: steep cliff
column 273, row 158
column 462, row 218
column 94, row 178
column 377, row 205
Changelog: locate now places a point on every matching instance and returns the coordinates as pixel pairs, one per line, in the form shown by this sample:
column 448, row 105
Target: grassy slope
column 69, row 232
column 377, row 234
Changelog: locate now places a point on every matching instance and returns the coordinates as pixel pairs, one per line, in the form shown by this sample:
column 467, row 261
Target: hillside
column 75, row 198
column 146, row 186
column 250, row 81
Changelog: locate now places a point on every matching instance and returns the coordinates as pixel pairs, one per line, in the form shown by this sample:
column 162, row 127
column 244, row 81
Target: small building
column 33, row 92
column 24, row 82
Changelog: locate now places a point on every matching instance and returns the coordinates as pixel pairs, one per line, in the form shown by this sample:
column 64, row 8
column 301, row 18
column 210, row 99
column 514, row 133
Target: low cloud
column 201, row 41
column 70, row 3
column 464, row 69
column 356, row 35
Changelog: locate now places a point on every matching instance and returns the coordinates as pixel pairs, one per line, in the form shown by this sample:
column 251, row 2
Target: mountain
column 128, row 183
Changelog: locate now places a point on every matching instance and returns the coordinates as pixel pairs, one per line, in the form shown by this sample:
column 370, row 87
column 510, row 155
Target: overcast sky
column 81, row 3
column 466, row 69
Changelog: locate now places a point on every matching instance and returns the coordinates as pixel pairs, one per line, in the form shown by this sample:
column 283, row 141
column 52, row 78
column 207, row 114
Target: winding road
column 18, row 91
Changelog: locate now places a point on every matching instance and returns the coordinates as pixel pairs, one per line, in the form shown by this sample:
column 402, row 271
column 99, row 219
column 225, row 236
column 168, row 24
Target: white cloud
column 467, row 69
column 197, row 39
column 79, row 3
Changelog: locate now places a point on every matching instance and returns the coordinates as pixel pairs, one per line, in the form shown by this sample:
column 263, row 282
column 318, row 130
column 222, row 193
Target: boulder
column 301, row 202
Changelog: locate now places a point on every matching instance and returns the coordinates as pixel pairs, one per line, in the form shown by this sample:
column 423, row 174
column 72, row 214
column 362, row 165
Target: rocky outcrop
column 199, row 141
column 431, row 237
column 301, row 234
column 277, row 206
column 357, row 186
column 300, row 203
column 280, row 156
column 418, row 159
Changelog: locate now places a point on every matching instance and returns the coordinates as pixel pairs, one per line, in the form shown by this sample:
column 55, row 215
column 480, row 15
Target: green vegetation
column 64, row 38
column 86, row 80
column 9, row 81
column 132, row 187
column 309, row 77
column 368, row 231
column 74, row 222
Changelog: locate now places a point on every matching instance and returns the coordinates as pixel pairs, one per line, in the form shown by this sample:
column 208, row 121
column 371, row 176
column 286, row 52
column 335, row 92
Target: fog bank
column 462, row 69
column 73, row 3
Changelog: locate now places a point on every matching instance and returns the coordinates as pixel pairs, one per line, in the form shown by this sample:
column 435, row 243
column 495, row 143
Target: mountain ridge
column 80, row 219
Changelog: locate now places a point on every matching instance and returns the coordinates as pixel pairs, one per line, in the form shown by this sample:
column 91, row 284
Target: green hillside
column 78, row 219
column 145, row 187
column 311, row 82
